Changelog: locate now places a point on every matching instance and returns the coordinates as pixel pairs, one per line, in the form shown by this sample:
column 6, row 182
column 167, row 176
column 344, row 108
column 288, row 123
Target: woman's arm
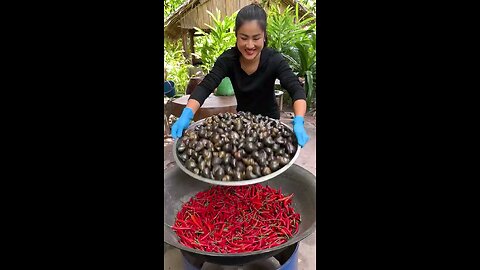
column 289, row 81
column 300, row 107
column 193, row 104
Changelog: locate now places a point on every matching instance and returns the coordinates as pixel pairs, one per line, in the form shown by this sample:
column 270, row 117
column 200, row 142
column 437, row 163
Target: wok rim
column 292, row 241
column 297, row 238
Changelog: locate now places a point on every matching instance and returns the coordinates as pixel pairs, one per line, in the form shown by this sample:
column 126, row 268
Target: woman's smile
column 250, row 51
column 250, row 40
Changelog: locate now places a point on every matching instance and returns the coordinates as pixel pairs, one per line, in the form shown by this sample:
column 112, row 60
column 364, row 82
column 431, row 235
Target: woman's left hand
column 299, row 130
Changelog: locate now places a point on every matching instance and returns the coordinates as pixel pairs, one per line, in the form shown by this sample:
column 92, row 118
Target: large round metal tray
column 232, row 183
column 179, row 188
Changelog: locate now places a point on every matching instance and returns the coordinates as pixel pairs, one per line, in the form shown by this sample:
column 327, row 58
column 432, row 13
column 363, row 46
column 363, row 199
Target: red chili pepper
column 251, row 218
column 285, row 232
column 194, row 219
column 205, row 236
column 208, row 226
column 181, row 228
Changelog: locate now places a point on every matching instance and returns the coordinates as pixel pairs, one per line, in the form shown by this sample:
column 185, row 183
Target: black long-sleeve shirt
column 255, row 93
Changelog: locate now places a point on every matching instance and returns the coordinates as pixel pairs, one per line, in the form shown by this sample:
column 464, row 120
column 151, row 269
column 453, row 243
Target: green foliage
column 310, row 5
column 309, row 86
column 170, row 6
column 177, row 65
column 286, row 28
column 295, row 38
column 220, row 38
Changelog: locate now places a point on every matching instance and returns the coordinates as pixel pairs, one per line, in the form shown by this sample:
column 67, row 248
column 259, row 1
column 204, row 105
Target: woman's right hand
column 299, row 130
column 182, row 123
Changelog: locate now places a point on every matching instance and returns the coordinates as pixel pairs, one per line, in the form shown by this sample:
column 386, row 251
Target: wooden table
column 212, row 105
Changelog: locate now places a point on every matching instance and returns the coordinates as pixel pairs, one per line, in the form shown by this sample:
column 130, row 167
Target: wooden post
column 184, row 45
column 192, row 47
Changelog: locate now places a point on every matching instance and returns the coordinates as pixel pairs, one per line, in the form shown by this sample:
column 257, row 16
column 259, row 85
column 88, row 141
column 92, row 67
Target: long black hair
column 249, row 13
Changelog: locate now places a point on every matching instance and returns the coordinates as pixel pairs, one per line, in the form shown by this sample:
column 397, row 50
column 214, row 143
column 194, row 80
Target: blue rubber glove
column 182, row 123
column 299, row 130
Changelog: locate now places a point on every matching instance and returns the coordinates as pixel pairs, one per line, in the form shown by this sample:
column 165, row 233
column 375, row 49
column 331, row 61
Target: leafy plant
column 295, row 38
column 309, row 5
column 309, row 87
column 220, row 38
column 177, row 65
column 302, row 58
column 285, row 28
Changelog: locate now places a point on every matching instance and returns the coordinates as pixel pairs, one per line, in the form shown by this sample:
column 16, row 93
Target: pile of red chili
column 236, row 219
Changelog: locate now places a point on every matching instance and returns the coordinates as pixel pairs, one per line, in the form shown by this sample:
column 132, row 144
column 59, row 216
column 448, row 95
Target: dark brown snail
column 235, row 147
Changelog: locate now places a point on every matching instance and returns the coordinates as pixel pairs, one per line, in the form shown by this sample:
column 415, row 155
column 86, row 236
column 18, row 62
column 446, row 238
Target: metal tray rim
column 233, row 183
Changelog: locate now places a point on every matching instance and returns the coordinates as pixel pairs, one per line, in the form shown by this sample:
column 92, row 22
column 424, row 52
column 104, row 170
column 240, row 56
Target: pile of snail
column 235, row 147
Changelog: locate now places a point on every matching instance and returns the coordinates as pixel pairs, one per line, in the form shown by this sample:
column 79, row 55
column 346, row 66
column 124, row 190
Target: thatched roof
column 195, row 10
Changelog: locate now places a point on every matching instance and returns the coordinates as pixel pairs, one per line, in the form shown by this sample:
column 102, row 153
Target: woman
column 252, row 69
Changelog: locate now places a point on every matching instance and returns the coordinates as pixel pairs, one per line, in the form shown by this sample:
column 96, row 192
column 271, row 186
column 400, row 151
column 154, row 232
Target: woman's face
column 250, row 39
